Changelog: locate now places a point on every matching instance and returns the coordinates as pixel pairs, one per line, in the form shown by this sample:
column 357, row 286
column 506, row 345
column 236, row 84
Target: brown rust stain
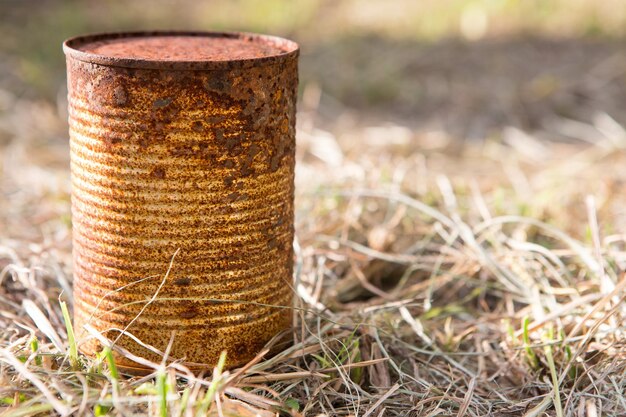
column 182, row 48
column 200, row 161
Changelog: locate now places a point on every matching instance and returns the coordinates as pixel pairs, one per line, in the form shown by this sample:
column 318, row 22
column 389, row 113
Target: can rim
column 71, row 49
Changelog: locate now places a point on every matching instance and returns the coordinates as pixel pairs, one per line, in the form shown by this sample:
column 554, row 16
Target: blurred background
column 390, row 79
column 466, row 67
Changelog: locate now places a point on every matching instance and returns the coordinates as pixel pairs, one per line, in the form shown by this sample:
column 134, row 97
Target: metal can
column 182, row 162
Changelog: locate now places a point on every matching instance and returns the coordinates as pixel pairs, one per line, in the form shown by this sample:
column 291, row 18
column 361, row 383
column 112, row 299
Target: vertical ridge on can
column 182, row 203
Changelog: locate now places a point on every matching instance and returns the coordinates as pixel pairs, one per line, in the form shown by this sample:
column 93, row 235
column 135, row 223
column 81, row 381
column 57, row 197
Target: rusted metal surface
column 183, row 142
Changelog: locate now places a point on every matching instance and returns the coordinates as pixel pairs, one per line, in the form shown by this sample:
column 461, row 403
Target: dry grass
column 432, row 278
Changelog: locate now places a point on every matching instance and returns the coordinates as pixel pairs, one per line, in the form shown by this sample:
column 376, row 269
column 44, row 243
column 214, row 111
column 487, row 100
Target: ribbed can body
column 182, row 206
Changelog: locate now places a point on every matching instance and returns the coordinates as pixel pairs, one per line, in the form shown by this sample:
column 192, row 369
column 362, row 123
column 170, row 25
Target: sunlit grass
column 427, row 280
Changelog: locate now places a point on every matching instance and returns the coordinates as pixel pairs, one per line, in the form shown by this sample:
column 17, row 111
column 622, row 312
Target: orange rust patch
column 182, row 48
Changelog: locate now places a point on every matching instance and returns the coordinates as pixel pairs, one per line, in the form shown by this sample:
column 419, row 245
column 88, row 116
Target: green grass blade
column 526, row 339
column 34, row 347
column 111, row 362
column 213, row 387
column 553, row 374
column 71, row 340
column 162, row 388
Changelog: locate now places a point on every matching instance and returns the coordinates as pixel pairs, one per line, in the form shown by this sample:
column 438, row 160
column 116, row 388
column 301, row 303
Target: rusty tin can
column 182, row 161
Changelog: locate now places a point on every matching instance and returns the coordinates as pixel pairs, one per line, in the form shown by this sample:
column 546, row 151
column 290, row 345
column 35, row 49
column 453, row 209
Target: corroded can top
column 176, row 50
